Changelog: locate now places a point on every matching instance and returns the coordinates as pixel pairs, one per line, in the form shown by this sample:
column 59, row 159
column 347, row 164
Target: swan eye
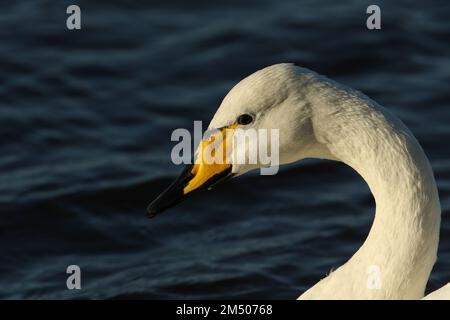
column 244, row 119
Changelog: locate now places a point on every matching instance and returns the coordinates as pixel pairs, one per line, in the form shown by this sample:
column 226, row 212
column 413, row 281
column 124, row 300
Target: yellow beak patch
column 212, row 158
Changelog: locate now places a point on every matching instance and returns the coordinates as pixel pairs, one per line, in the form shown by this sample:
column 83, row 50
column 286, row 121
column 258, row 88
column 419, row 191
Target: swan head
column 272, row 100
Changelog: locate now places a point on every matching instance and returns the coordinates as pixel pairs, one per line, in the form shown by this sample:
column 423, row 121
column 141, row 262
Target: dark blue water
column 85, row 124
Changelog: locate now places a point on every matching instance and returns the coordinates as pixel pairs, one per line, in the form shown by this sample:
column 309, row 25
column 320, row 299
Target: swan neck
column 403, row 239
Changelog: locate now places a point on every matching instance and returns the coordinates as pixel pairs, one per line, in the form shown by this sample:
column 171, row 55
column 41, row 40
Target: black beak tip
column 174, row 194
column 151, row 212
column 154, row 208
column 164, row 201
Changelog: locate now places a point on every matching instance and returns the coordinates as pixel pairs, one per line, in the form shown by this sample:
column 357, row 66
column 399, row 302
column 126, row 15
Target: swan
column 320, row 118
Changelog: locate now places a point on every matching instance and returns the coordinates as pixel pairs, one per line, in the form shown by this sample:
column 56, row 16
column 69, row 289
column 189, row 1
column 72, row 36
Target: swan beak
column 200, row 175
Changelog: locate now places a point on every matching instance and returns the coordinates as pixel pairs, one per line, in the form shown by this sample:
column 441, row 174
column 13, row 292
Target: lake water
column 85, row 124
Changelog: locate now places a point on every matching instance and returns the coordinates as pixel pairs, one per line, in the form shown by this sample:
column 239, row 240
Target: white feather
column 319, row 118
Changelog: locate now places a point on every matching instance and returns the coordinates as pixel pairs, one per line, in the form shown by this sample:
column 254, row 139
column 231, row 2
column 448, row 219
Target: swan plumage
column 320, row 118
column 440, row 294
